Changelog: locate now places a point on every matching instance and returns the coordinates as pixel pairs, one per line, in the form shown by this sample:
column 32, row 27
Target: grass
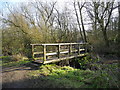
column 112, row 73
column 8, row 62
column 67, row 77
column 17, row 63
column 53, row 76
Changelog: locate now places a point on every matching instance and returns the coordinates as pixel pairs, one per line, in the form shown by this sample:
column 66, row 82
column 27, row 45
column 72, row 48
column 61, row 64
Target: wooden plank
column 64, row 52
column 58, row 44
column 54, row 53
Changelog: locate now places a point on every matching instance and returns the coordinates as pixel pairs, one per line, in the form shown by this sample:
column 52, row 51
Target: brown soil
column 16, row 77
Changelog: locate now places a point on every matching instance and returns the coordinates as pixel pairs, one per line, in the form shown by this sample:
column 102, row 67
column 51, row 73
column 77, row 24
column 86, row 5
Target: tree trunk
column 85, row 39
column 118, row 23
column 119, row 16
column 78, row 22
column 105, row 37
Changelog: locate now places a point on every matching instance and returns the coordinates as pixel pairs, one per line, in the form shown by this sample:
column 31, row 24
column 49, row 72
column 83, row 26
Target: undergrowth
column 85, row 61
column 67, row 77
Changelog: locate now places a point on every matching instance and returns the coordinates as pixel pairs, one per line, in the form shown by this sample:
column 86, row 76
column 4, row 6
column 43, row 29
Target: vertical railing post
column 70, row 49
column 58, row 53
column 33, row 51
column 78, row 49
column 44, row 53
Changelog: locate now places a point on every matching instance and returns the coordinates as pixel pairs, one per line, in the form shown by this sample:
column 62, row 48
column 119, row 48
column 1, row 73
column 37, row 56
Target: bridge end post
column 44, row 53
column 33, row 52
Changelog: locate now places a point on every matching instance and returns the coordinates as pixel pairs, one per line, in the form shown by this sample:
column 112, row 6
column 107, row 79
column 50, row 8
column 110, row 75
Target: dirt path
column 16, row 77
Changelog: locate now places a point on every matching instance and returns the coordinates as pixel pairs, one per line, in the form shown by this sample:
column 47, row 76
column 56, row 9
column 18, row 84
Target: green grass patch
column 112, row 71
column 8, row 62
column 68, row 77
column 15, row 63
column 6, row 59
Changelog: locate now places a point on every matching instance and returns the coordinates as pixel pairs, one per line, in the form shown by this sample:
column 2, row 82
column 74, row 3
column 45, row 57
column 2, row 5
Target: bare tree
column 78, row 20
column 81, row 18
column 102, row 14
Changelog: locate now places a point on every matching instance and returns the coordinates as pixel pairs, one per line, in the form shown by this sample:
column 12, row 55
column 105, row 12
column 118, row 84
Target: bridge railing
column 60, row 50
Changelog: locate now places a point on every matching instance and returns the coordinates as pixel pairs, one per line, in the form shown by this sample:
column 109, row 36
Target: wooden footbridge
column 54, row 52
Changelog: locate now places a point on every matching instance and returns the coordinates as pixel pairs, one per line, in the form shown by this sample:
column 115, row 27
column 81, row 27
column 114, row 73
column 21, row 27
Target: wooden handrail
column 52, row 44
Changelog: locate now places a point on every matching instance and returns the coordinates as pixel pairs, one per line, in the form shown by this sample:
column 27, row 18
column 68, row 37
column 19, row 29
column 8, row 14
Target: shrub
column 18, row 57
column 85, row 61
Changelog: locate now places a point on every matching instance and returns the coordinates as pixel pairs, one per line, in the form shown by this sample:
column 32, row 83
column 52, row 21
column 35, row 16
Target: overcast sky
column 60, row 2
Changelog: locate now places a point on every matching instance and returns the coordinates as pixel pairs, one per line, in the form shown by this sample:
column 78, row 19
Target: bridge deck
column 55, row 59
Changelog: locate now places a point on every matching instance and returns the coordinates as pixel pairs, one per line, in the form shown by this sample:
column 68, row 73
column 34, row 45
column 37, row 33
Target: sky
column 52, row 0
column 14, row 0
column 2, row 2
column 61, row 3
